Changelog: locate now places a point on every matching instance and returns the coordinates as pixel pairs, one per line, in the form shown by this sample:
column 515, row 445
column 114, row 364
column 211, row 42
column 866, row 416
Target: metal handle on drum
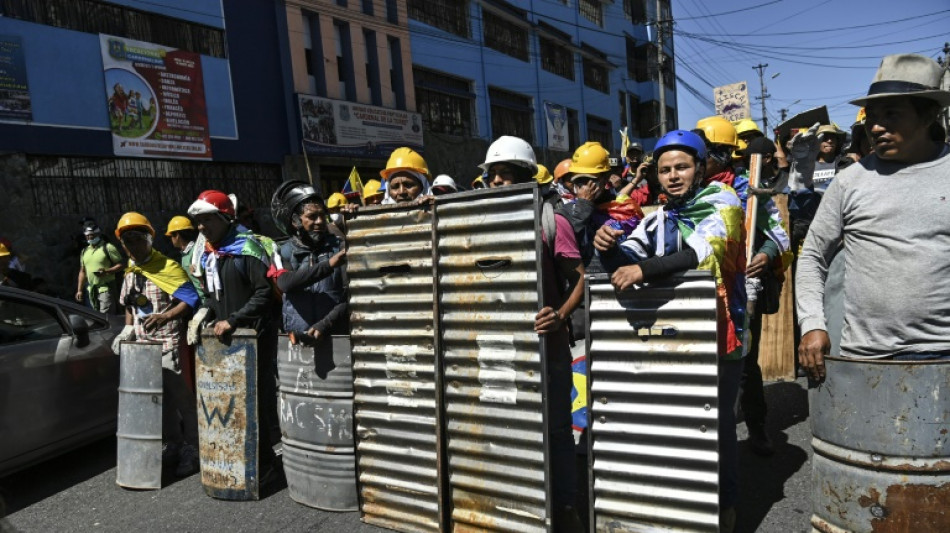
column 493, row 263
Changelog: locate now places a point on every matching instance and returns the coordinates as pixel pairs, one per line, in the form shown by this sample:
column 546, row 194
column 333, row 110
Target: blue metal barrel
column 316, row 423
column 881, row 436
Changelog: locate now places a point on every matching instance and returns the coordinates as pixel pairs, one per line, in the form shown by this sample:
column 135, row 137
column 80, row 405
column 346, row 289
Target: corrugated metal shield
column 489, row 287
column 226, row 386
column 653, row 374
column 139, row 434
column 389, row 264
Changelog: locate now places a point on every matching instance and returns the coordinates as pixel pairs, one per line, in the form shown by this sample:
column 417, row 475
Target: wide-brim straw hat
column 907, row 75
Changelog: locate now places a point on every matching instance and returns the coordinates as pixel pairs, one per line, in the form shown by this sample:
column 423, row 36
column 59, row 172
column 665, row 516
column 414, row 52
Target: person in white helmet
column 511, row 161
column 443, row 184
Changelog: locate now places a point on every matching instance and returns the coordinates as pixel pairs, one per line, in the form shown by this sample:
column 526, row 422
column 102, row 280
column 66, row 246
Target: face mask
column 95, row 241
column 336, row 217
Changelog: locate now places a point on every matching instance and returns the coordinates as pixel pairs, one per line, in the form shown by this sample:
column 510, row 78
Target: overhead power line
column 838, row 29
column 734, row 11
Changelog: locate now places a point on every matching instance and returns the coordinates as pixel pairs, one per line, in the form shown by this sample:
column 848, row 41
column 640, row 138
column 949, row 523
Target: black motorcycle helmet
column 287, row 198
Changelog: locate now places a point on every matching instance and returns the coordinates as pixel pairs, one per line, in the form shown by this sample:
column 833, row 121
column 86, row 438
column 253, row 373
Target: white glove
column 194, row 326
column 802, row 157
column 126, row 335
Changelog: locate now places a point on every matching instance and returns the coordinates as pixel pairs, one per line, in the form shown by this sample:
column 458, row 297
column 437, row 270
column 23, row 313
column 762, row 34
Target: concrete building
column 351, row 72
column 557, row 73
column 100, row 114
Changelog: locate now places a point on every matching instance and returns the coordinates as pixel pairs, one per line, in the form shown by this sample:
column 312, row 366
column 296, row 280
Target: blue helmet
column 680, row 140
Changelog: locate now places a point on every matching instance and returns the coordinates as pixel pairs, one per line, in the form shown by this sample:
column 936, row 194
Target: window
column 341, row 3
column 595, row 75
column 368, row 7
column 445, row 102
column 95, row 16
column 623, row 109
column 557, row 57
column 372, row 67
column 505, row 36
column 671, row 121
column 449, row 15
column 648, row 124
column 573, row 128
column 599, row 130
column 395, row 72
column 392, row 11
column 511, row 114
column 24, row 322
column 313, row 54
column 635, row 11
column 592, row 10
column 669, row 76
column 633, row 108
column 641, row 61
column 344, row 60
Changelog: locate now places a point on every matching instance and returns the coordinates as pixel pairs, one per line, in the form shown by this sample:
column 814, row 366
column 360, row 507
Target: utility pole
column 784, row 113
column 659, row 67
column 765, row 118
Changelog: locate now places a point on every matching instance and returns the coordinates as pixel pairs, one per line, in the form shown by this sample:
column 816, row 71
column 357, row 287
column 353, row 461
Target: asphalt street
column 77, row 491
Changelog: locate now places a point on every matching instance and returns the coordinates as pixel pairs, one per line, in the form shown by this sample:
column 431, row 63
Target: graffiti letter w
column 215, row 413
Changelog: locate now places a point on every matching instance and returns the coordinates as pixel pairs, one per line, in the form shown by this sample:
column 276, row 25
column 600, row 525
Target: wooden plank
column 777, row 343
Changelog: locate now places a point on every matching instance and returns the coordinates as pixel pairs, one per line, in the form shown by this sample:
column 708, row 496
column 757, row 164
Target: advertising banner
column 732, row 101
column 156, row 100
column 339, row 128
column 555, row 117
column 15, row 100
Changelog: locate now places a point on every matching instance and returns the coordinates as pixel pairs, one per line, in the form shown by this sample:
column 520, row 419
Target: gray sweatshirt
column 894, row 221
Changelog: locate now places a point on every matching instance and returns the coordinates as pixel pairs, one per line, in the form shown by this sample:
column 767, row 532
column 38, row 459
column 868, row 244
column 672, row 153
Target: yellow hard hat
column 336, row 200
column 178, row 223
column 719, row 130
column 4, row 251
column 133, row 220
column 404, row 159
column 371, row 188
column 737, row 154
column 746, row 125
column 543, row 176
column 590, row 158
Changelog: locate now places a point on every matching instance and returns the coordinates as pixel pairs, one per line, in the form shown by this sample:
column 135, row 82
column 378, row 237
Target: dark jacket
column 247, row 296
column 314, row 293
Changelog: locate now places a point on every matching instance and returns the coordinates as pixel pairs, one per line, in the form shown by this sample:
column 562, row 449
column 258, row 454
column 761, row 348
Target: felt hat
column 907, row 75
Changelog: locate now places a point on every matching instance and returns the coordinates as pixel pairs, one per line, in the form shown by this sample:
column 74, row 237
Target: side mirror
column 80, row 330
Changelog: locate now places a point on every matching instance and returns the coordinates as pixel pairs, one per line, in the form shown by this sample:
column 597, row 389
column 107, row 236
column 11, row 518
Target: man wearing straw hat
column 889, row 211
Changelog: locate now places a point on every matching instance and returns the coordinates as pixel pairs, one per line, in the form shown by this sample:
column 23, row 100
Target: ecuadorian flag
column 579, row 393
column 353, row 185
column 169, row 276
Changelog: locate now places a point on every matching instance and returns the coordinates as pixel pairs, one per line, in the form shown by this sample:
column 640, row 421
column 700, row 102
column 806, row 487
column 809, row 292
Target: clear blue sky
column 825, row 52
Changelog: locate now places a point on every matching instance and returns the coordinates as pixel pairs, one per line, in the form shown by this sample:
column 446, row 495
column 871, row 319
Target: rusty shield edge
column 395, row 377
column 226, row 387
column 489, row 287
column 653, row 405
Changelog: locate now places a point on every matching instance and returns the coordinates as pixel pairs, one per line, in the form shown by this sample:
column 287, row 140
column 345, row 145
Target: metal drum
column 881, row 436
column 226, row 383
column 316, row 423
column 139, row 434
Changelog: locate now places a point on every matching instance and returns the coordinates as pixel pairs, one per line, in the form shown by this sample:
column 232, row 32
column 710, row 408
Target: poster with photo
column 155, row 100
column 339, row 128
column 15, row 102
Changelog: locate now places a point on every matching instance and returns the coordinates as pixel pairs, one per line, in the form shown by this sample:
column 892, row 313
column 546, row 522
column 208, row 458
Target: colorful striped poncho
column 712, row 224
column 169, row 276
column 241, row 241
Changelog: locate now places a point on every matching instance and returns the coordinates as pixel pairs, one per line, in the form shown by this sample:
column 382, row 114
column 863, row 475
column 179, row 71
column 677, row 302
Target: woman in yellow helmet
column 407, row 176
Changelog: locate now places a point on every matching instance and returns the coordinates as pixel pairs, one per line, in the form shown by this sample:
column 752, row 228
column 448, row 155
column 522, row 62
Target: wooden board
column 777, row 344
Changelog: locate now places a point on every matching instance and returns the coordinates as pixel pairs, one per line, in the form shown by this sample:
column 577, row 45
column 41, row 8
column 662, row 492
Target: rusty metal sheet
column 316, row 422
column 488, row 250
column 395, row 379
column 882, row 446
column 226, row 387
column 653, row 405
column 139, row 430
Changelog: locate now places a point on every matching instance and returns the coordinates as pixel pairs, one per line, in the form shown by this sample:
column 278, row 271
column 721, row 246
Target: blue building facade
column 486, row 68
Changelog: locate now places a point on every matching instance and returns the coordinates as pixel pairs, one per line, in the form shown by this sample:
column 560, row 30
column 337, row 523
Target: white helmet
column 514, row 150
column 444, row 180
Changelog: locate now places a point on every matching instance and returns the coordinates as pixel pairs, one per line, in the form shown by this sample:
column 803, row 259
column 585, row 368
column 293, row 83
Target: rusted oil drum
column 139, row 432
column 881, row 436
column 316, row 423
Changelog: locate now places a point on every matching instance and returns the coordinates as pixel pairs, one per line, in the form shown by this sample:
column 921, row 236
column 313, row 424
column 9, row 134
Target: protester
column 860, row 145
column 699, row 227
column 158, row 298
column 479, row 182
column 15, row 262
column 543, row 176
column 443, row 184
column 239, row 294
column 562, row 180
column 407, row 176
column 314, row 290
column 896, row 287
column 183, row 235
column 509, row 161
column 9, row 276
column 372, row 195
column 98, row 264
